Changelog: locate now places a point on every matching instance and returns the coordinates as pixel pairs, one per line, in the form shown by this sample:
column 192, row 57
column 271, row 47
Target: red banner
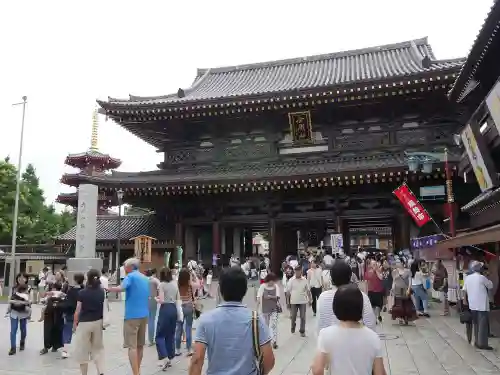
column 412, row 205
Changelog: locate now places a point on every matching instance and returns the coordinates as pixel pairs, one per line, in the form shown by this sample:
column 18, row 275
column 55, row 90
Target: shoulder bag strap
column 192, row 293
column 255, row 338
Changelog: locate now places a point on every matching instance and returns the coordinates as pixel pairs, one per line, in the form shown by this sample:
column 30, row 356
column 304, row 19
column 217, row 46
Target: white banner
column 337, row 242
column 86, row 221
column 493, row 104
column 476, row 159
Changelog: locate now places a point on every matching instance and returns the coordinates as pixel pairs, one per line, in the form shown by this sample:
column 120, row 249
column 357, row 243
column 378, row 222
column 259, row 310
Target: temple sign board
column 479, row 157
column 300, row 126
column 493, row 104
column 142, row 248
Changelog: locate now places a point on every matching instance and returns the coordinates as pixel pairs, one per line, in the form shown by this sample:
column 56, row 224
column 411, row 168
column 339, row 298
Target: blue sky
column 64, row 54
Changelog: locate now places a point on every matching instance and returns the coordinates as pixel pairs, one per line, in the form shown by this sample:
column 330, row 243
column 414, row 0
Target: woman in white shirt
column 420, row 296
column 315, row 282
column 348, row 347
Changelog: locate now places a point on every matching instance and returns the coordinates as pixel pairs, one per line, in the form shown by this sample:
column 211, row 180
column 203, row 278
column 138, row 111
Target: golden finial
column 95, row 131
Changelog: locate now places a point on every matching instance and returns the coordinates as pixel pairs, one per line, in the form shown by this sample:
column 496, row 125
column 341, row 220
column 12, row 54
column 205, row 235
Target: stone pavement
column 434, row 346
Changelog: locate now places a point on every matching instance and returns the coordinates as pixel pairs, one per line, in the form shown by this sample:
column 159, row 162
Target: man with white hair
column 136, row 287
column 476, row 287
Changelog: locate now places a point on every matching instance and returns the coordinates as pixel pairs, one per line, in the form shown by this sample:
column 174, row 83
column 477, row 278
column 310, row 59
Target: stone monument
column 85, row 254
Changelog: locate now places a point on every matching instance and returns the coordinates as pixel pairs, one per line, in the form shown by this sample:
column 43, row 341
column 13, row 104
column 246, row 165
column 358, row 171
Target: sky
column 63, row 55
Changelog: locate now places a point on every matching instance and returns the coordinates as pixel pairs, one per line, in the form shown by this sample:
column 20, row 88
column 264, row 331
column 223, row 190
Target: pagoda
column 89, row 163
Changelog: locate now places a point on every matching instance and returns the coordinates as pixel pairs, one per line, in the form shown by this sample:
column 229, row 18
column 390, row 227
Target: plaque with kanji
column 300, row 126
column 142, row 248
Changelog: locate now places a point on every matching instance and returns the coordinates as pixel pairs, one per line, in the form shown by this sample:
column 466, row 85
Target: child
column 208, row 283
column 51, row 293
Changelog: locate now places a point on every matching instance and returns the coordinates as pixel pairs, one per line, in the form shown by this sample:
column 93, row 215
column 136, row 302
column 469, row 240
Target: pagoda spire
column 90, row 162
column 94, row 140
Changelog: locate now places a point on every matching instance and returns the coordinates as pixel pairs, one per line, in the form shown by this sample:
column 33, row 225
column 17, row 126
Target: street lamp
column 119, row 196
column 16, row 201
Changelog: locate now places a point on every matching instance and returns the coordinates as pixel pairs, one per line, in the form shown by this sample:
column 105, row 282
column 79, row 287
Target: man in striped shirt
column 341, row 274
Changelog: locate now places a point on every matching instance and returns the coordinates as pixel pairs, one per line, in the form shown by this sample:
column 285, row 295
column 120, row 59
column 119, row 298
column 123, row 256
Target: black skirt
column 403, row 308
column 376, row 299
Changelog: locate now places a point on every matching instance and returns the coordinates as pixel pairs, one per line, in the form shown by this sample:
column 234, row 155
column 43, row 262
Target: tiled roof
column 288, row 169
column 484, row 40
column 481, row 199
column 75, row 160
column 131, row 226
column 73, row 197
column 37, row 256
column 336, row 69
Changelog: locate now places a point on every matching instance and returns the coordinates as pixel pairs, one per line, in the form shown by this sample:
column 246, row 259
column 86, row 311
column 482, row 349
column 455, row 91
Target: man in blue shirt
column 225, row 333
column 136, row 287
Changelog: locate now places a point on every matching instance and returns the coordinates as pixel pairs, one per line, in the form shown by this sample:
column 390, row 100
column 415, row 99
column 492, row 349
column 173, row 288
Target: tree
column 37, row 222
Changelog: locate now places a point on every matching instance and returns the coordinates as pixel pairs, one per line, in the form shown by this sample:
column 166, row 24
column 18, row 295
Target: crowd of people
column 347, row 295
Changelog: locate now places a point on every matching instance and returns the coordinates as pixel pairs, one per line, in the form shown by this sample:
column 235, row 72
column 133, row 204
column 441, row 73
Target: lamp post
column 119, row 195
column 16, row 200
column 450, row 198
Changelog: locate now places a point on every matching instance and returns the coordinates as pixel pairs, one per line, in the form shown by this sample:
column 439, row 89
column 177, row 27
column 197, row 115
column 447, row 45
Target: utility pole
column 16, row 202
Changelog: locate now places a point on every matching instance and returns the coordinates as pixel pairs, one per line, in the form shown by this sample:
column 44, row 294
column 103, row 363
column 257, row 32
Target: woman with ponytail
column 88, row 323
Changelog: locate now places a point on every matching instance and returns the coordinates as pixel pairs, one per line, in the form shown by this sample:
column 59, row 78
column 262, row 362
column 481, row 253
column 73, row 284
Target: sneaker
column 189, row 353
column 12, row 351
column 167, row 364
column 162, row 362
column 302, row 334
column 64, row 354
column 21, row 346
column 44, row 351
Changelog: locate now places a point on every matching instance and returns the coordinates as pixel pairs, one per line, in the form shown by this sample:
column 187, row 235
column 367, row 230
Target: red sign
column 412, row 205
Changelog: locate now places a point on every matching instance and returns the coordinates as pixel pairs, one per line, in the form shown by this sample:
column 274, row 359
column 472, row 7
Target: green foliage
column 37, row 222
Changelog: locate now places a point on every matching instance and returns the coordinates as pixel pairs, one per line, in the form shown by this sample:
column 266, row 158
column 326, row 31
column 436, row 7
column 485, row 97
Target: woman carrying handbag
column 268, row 298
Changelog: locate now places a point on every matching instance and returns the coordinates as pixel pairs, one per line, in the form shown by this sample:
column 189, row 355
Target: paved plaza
column 434, row 346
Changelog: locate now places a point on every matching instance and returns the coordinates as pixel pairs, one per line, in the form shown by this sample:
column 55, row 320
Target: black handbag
column 196, row 307
column 465, row 315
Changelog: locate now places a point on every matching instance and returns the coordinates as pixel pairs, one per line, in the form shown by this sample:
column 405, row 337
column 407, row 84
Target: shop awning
column 477, row 237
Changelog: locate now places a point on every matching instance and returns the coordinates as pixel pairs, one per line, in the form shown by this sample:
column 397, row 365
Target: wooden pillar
column 274, row 252
column 237, row 246
column 396, row 235
column 112, row 261
column 346, row 237
column 228, row 240
column 404, row 221
column 179, row 241
column 248, row 243
column 216, row 240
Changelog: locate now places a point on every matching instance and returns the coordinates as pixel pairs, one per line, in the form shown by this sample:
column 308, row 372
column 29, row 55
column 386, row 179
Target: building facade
column 296, row 148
